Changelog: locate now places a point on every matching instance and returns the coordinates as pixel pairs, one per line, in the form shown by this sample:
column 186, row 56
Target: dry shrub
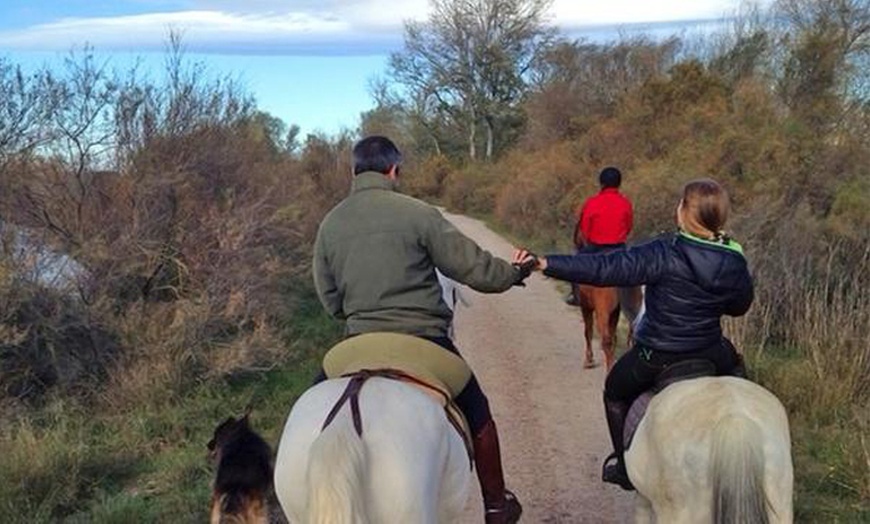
column 47, row 341
column 655, row 190
column 426, row 179
column 170, row 348
column 810, row 295
column 473, row 188
column 539, row 191
column 752, row 144
column 555, row 114
column 258, row 351
column 611, row 142
column 186, row 236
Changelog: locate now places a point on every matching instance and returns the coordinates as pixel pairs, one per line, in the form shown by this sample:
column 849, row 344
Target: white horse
column 712, row 449
column 409, row 465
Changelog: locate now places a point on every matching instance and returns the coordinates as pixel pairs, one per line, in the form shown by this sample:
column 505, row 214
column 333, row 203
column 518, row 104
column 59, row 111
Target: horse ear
column 248, row 409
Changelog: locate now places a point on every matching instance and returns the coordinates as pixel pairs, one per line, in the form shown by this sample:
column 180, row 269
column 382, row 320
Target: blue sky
column 308, row 62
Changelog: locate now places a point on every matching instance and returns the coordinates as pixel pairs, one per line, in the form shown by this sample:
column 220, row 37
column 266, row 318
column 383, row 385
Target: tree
column 578, row 83
column 829, row 45
column 472, row 59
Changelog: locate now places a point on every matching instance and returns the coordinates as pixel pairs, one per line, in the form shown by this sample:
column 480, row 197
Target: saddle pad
column 416, row 356
column 635, row 415
column 685, row 370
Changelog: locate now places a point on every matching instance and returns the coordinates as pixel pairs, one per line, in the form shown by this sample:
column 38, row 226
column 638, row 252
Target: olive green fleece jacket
column 375, row 257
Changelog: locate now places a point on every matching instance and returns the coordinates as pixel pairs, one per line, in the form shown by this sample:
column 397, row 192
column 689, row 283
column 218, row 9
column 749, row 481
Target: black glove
column 525, row 269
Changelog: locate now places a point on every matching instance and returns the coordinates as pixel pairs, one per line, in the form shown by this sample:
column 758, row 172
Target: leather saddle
column 685, row 370
column 406, row 358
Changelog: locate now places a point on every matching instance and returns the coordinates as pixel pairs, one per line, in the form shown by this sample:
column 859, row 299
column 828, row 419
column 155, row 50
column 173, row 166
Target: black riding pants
column 471, row 400
column 636, row 371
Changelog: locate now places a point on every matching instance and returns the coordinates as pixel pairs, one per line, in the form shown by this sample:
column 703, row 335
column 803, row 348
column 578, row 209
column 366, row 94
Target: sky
column 308, row 62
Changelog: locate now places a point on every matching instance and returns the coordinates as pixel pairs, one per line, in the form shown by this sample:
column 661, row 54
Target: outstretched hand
column 528, row 261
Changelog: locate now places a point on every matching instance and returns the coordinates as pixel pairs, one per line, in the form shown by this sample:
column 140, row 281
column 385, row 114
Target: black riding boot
column 740, row 367
column 500, row 505
column 572, row 299
column 614, row 466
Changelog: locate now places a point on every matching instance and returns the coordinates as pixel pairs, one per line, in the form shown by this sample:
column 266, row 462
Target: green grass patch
column 832, row 475
column 70, row 462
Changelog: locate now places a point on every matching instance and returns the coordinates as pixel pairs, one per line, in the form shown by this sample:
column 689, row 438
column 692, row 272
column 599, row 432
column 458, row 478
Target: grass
column 832, row 468
column 72, row 462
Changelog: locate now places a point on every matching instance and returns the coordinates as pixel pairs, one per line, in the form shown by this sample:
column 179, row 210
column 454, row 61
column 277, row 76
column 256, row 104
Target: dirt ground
column 525, row 347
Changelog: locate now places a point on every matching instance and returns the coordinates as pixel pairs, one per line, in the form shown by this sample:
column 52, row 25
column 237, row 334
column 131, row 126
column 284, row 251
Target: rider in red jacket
column 604, row 221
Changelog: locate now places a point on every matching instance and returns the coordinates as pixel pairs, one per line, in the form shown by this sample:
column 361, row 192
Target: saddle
column 685, row 370
column 406, row 358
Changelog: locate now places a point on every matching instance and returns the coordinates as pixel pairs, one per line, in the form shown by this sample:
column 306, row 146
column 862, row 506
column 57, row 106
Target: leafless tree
column 472, row 60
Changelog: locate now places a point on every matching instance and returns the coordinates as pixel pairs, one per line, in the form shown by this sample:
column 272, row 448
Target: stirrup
column 613, row 472
column 511, row 510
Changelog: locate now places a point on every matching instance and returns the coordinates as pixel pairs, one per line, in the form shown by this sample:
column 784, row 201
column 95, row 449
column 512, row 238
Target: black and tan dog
column 243, row 483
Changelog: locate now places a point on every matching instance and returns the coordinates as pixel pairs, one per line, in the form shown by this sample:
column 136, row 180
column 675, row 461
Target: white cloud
column 574, row 13
column 331, row 26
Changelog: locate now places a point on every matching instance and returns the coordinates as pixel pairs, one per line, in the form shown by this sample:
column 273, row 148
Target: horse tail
column 336, row 464
column 737, row 463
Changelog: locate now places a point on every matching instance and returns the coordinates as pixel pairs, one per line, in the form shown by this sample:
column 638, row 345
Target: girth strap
column 351, row 392
column 358, row 378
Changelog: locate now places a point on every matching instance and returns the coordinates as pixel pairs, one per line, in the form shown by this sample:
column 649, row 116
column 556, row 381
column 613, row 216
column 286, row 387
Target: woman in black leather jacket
column 692, row 278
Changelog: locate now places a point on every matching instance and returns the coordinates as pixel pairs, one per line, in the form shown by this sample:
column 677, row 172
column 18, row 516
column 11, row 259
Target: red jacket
column 605, row 218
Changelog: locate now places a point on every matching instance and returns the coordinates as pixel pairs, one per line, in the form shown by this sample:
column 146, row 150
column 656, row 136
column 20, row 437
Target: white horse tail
column 737, row 463
column 336, row 462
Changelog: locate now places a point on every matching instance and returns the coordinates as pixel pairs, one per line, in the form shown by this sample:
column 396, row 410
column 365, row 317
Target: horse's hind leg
column 643, row 512
column 607, row 322
column 588, row 328
column 778, row 486
column 631, row 302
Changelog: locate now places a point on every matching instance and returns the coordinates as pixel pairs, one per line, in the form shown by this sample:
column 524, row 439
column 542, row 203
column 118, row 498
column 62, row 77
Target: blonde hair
column 704, row 209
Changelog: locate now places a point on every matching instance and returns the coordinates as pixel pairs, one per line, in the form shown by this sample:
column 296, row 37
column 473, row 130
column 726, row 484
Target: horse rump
column 243, row 480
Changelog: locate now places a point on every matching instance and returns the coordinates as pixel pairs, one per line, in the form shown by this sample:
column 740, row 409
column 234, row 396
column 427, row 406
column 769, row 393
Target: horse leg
column 781, row 509
column 643, row 511
column 631, row 303
column 588, row 327
column 607, row 317
column 779, row 487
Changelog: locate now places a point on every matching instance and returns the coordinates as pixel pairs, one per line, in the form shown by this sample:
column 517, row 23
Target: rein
column 358, row 378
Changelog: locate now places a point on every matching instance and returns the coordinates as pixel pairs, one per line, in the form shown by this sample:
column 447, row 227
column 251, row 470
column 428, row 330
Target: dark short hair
column 375, row 153
column 610, row 177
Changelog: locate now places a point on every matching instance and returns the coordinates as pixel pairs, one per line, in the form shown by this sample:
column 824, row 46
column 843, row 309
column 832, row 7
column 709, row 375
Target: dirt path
column 525, row 347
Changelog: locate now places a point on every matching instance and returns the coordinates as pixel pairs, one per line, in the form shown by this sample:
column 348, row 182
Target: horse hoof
column 589, row 364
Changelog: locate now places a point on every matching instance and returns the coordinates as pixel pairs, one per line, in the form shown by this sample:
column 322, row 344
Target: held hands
column 528, row 261
column 525, row 263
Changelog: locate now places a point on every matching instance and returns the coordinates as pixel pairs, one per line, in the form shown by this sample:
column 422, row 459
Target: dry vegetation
column 154, row 239
column 154, row 244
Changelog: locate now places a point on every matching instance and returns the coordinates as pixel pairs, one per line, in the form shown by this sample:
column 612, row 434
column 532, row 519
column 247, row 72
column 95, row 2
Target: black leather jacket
column 690, row 284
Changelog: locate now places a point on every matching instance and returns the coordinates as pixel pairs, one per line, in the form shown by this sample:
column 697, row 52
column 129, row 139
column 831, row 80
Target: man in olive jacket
column 374, row 267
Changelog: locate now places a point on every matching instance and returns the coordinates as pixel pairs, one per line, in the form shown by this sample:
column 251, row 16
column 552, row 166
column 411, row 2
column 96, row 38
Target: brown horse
column 601, row 306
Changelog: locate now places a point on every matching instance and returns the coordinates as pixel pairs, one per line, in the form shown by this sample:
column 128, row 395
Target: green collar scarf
column 727, row 244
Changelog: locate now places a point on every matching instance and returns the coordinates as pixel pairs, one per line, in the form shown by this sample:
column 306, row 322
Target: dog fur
column 243, row 481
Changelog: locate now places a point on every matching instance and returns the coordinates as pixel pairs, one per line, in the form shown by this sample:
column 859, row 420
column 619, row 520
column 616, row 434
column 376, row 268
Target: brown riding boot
column 500, row 505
